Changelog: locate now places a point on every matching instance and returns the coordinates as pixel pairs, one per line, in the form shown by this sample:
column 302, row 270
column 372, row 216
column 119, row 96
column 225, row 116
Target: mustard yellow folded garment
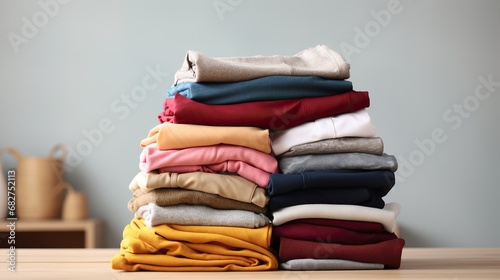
column 180, row 136
column 194, row 248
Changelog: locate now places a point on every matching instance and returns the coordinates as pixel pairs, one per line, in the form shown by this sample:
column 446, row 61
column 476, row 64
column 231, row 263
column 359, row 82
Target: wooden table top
column 436, row 263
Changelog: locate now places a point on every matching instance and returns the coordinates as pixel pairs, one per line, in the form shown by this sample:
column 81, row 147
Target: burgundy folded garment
column 358, row 226
column 274, row 115
column 327, row 234
column 386, row 252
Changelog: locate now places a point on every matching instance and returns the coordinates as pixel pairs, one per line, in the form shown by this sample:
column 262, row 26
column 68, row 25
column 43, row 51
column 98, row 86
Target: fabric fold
column 357, row 226
column 329, row 234
column 353, row 196
column 251, row 164
column 226, row 185
column 328, row 264
column 152, row 158
column 356, row 124
column 367, row 145
column 274, row 114
column 199, row 215
column 315, row 61
column 386, row 216
column 241, row 168
column 381, row 181
column 179, row 136
column 260, row 89
column 358, row 161
column 194, row 248
column 166, row 197
column 385, row 252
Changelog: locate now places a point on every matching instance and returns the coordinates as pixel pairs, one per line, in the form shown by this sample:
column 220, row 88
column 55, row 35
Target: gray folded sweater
column 367, row 145
column 199, row 215
column 318, row 162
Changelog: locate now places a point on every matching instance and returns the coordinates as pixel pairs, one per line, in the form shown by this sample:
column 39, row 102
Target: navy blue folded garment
column 260, row 89
column 380, row 180
column 353, row 196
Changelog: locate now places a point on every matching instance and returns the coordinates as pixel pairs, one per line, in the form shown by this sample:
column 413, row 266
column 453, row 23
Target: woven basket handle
column 12, row 151
column 59, row 147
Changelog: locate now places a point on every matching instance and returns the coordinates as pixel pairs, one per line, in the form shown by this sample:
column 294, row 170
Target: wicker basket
column 39, row 184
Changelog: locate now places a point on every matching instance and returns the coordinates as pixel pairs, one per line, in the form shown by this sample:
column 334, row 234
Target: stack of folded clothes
column 327, row 200
column 199, row 201
column 209, row 182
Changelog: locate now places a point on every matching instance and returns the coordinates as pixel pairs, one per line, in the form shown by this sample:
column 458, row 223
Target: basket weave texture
column 39, row 184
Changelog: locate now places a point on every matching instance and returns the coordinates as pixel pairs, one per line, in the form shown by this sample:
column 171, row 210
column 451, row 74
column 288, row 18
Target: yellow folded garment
column 180, row 136
column 194, row 248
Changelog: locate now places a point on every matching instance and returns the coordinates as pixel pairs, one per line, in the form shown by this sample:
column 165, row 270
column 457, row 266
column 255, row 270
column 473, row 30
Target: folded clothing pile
column 213, row 176
column 199, row 204
column 326, row 202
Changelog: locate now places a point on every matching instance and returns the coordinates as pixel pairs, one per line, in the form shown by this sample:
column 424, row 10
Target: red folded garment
column 328, row 234
column 386, row 252
column 274, row 115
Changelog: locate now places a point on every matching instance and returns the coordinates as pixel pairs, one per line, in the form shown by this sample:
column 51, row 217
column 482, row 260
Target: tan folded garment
column 179, row 136
column 228, row 186
column 317, row 61
column 165, row 197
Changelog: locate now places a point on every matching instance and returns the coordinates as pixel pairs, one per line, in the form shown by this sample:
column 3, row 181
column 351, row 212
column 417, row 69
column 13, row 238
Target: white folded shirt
column 386, row 216
column 355, row 124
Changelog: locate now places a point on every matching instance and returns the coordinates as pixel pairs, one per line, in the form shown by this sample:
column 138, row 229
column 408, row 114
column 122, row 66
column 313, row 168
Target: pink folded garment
column 217, row 157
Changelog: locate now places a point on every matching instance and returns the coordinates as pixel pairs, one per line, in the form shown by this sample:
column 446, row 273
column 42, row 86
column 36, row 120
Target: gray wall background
column 432, row 69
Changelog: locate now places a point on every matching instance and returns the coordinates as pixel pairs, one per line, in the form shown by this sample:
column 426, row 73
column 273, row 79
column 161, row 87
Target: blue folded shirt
column 260, row 89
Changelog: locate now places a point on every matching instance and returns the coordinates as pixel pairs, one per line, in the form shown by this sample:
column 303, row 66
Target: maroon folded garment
column 358, row 226
column 327, row 234
column 386, row 252
column 274, row 115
